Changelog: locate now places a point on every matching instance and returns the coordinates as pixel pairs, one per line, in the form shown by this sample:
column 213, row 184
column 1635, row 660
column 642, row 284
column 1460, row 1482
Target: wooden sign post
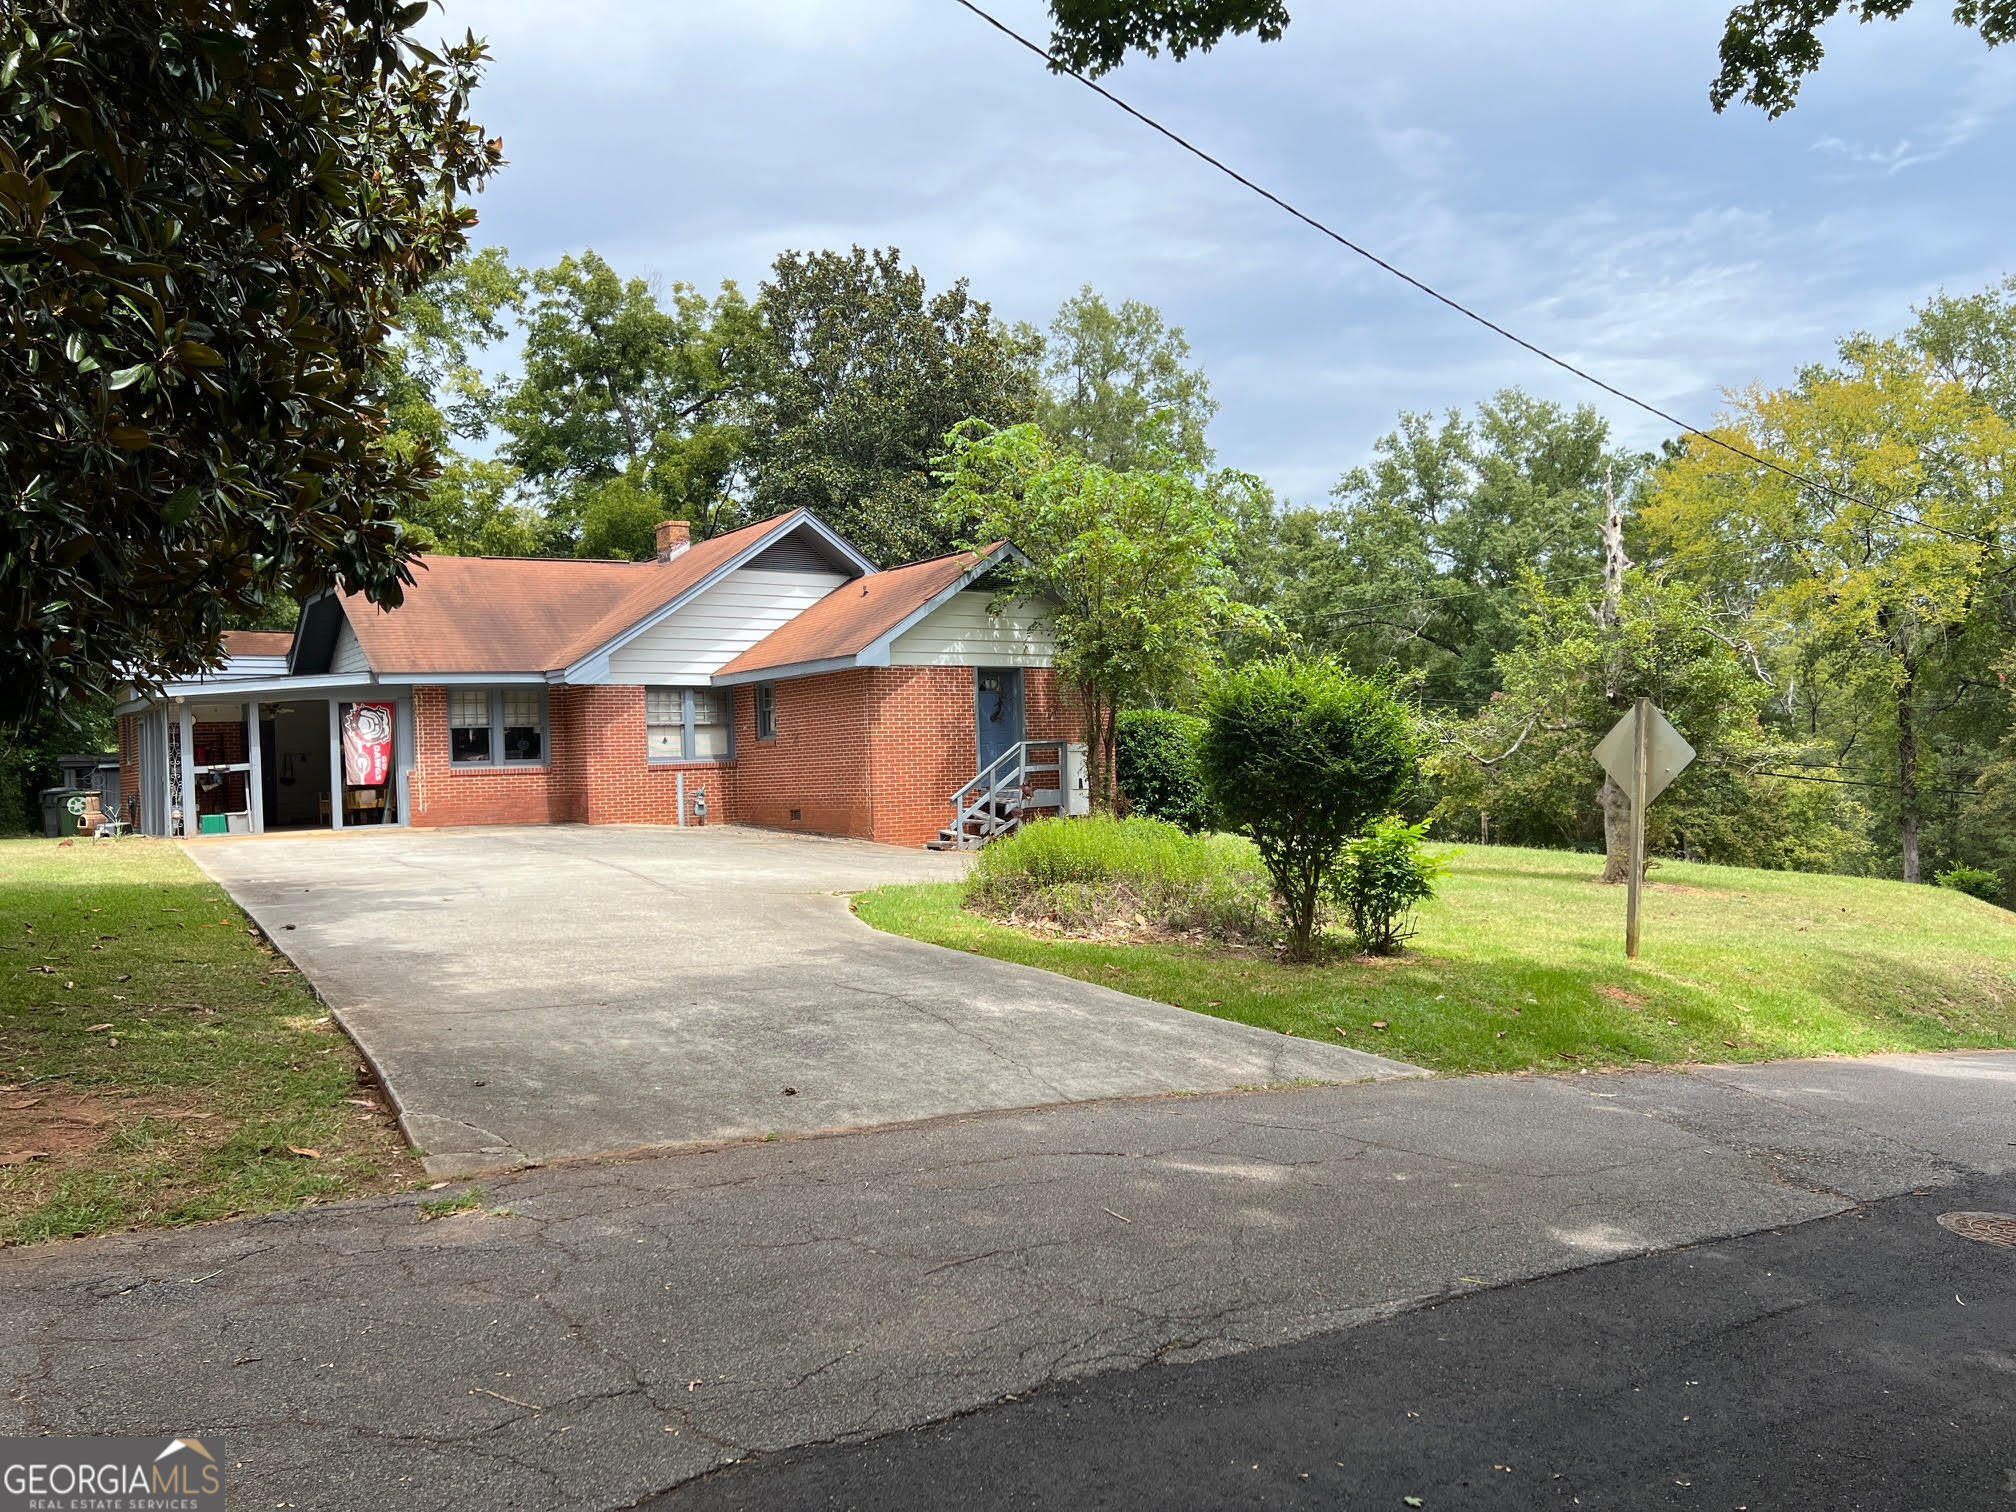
column 1642, row 753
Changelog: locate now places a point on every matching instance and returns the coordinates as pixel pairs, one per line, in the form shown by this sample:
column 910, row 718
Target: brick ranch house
column 768, row 676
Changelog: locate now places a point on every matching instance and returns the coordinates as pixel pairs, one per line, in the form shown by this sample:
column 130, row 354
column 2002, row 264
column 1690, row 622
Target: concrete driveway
column 530, row 994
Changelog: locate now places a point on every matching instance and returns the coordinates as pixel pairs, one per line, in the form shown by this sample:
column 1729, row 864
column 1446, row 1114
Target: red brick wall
column 818, row 763
column 923, row 748
column 874, row 753
column 129, row 760
column 1048, row 710
column 596, row 772
column 609, row 779
column 440, row 793
column 923, row 742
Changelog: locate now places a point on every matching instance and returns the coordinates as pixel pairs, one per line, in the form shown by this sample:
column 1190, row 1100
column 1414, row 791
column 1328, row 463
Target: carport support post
column 185, row 731
column 255, row 798
column 335, row 767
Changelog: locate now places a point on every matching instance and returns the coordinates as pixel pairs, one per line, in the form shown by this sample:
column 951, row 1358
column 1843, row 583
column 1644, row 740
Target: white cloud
column 1557, row 168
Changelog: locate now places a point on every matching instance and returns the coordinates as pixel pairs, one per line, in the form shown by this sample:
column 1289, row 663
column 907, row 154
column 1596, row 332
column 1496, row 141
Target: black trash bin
column 58, row 817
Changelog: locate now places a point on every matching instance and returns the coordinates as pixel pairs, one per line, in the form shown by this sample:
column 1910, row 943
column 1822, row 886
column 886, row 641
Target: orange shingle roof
column 258, row 642
column 855, row 615
column 526, row 614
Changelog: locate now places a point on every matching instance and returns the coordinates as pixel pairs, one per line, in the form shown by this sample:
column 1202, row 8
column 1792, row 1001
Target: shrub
column 1382, row 876
column 1098, row 873
column 1157, row 761
column 1300, row 756
column 1974, row 881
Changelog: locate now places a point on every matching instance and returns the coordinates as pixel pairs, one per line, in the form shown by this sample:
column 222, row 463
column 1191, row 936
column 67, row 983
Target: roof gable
column 853, row 624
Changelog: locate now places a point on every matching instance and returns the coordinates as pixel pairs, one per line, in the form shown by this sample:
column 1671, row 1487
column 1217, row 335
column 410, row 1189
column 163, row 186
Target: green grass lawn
column 159, row 1061
column 1520, row 965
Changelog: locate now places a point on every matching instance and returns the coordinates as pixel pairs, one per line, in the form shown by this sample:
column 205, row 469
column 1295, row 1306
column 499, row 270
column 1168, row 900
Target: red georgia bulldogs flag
column 367, row 744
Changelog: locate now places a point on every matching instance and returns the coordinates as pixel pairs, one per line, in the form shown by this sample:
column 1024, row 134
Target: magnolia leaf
column 181, row 504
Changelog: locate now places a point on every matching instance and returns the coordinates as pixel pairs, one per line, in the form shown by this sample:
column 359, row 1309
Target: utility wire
column 1058, row 66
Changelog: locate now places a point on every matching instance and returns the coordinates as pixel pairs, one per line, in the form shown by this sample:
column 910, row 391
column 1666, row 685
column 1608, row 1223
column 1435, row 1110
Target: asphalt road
column 596, row 1335
column 1863, row 1361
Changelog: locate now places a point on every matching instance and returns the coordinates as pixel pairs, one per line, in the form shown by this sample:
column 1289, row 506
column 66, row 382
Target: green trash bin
column 61, row 808
column 213, row 824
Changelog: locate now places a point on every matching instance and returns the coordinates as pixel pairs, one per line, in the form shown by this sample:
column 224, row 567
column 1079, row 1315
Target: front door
column 997, row 706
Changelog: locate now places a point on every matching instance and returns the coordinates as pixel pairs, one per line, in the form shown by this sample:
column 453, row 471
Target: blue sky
column 1556, row 166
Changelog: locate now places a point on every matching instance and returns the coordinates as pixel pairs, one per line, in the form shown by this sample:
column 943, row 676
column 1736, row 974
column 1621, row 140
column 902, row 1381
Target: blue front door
column 997, row 707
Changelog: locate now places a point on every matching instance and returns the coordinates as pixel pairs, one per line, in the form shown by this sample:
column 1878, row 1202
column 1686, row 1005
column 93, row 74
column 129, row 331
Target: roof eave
column 786, row 670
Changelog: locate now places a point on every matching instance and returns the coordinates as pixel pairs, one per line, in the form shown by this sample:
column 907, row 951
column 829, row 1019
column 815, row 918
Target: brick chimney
column 674, row 536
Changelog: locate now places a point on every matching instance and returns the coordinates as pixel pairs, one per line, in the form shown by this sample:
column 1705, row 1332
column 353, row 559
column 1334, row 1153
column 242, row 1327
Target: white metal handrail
column 991, row 802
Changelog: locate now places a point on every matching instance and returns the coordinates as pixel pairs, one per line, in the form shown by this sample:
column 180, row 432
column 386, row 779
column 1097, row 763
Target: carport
column 248, row 755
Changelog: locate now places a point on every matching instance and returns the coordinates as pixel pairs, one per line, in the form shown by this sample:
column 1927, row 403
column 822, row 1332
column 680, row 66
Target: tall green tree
column 438, row 396
column 1770, row 46
column 1119, row 385
column 1970, row 339
column 1095, row 36
column 619, row 384
column 1419, row 561
column 1526, row 760
column 858, row 374
column 1882, row 591
column 1132, row 565
column 210, row 211
column 432, row 383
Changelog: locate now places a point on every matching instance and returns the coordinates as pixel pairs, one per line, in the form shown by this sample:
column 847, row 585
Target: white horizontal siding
column 250, row 666
column 699, row 638
column 349, row 655
column 961, row 633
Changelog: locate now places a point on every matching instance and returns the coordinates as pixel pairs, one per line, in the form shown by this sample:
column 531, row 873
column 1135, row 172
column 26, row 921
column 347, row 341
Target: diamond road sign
column 1669, row 755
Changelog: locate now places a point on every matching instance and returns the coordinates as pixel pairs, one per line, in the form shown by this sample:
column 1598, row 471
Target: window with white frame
column 524, row 720
column 497, row 727
column 469, row 727
column 665, row 724
column 712, row 738
column 688, row 724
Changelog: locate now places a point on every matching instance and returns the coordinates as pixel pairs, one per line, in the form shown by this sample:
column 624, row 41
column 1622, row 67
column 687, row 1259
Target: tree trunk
column 1615, row 563
column 1907, row 773
column 1113, row 757
column 1616, row 831
column 1098, row 732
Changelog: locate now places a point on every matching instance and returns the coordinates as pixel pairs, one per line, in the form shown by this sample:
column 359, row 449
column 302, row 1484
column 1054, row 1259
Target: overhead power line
column 1058, row 66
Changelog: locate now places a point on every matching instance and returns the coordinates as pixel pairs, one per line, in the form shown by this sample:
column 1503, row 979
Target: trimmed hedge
column 1300, row 756
column 1158, row 772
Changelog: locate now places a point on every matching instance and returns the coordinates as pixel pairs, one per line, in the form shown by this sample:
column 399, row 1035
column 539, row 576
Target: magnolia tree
column 1131, row 564
column 210, row 211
